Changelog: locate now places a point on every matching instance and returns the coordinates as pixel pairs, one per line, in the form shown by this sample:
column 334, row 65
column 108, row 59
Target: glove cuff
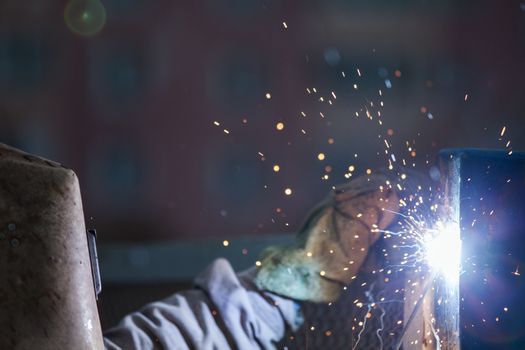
column 293, row 274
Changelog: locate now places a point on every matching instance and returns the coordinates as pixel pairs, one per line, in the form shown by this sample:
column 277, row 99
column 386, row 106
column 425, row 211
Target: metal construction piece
column 432, row 297
column 492, row 209
column 484, row 192
column 445, row 303
column 47, row 299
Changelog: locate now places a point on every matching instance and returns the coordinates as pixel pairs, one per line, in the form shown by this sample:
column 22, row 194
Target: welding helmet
column 47, row 294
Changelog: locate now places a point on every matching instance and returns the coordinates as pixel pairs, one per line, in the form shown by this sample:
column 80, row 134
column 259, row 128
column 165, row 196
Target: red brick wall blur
column 132, row 109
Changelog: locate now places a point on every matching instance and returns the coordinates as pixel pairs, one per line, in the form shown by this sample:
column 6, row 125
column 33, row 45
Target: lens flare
column 85, row 17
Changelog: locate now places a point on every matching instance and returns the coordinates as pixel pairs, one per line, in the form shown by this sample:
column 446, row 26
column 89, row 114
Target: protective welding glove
column 333, row 244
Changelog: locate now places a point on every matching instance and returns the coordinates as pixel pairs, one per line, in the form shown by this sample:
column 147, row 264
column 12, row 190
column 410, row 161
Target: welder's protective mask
column 333, row 244
column 47, row 297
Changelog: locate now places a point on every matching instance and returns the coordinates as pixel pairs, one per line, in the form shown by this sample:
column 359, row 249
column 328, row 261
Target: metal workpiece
column 432, row 305
column 481, row 308
column 47, row 298
column 445, row 291
column 492, row 220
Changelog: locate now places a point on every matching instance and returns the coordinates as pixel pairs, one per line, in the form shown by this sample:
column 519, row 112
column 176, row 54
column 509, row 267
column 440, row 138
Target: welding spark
column 382, row 325
column 436, row 243
column 443, row 250
column 433, row 242
column 370, row 298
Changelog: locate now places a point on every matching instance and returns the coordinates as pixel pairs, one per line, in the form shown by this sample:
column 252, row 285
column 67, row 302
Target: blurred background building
column 133, row 108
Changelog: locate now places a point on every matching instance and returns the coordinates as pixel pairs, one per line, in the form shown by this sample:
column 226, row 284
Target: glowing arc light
column 443, row 250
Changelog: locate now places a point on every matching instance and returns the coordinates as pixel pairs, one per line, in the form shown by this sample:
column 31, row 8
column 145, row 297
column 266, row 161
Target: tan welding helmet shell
column 47, row 298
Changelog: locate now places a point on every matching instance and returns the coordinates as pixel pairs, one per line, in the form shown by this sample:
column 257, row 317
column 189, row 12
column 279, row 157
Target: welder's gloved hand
column 333, row 244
